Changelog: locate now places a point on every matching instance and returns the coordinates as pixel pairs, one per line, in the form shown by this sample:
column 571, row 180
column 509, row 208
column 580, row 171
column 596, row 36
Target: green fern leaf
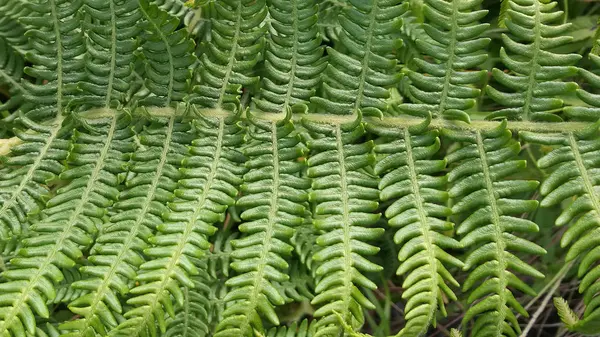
column 446, row 85
column 591, row 112
column 302, row 329
column 294, row 57
column 65, row 292
column 358, row 77
column 237, row 40
column 305, row 242
column 192, row 316
column 219, row 258
column 111, row 27
column 117, row 254
column 13, row 47
column 57, row 45
column 574, row 175
column 589, row 326
column 28, row 171
column 11, row 71
column 194, row 18
column 68, row 224
column 534, row 81
column 208, row 186
column 481, row 192
column 346, row 197
column 169, row 54
column 419, row 212
column 273, row 198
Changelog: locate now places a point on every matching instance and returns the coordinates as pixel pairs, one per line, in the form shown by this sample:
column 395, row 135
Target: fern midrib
column 294, row 59
column 234, row 46
column 16, row 308
column 38, row 160
column 365, row 60
column 499, row 230
column 266, row 244
column 451, row 58
column 583, row 171
column 348, row 262
column 113, row 53
column 534, row 60
column 126, row 248
column 425, row 228
column 187, row 231
column 168, row 52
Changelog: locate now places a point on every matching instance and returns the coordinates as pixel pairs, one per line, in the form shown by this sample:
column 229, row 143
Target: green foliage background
column 299, row 168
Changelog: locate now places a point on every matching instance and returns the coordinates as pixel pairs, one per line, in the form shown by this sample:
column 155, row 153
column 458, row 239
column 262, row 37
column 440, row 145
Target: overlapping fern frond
column 169, row 55
column 111, row 28
column 26, row 174
column 57, row 44
column 192, row 317
column 67, row 224
column 446, row 86
column 535, row 71
column 117, row 253
column 11, row 71
column 274, row 200
column 419, row 211
column 227, row 65
column 591, row 111
column 575, row 175
column 207, row 187
column 346, row 195
column 156, row 180
column 293, row 58
column 487, row 200
column 13, row 47
column 362, row 70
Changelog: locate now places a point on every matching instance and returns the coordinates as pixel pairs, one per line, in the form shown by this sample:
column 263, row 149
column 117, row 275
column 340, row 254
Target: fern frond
column 192, row 316
column 11, row 72
column 192, row 16
column 592, row 111
column 57, row 45
column 237, row 39
column 302, row 329
column 12, row 32
column 13, row 47
column 575, row 175
column 14, row 9
column 411, row 30
column 274, row 198
column 219, row 258
column 117, row 253
column 446, row 86
column 293, row 59
column 572, row 322
column 535, row 71
column 67, row 224
column 299, row 286
column 305, row 242
column 169, row 55
column 31, row 167
column 111, row 28
column 346, row 197
column 482, row 193
column 65, row 292
column 359, row 78
column 207, row 187
column 410, row 178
